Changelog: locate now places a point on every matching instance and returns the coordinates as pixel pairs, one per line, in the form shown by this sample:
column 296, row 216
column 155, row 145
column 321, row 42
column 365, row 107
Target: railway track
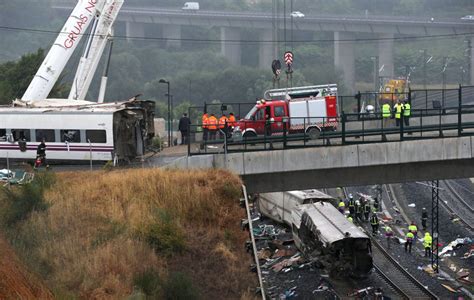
column 402, row 282
column 465, row 206
column 390, row 271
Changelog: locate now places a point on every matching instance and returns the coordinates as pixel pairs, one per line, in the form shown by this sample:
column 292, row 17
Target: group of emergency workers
column 361, row 209
column 401, row 110
column 211, row 125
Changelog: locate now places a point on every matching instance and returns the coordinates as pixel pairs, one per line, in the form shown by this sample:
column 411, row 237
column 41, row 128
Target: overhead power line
column 356, row 40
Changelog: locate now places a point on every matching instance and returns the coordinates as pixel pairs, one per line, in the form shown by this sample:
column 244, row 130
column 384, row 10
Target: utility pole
column 443, row 93
column 376, row 73
column 434, row 225
column 425, row 62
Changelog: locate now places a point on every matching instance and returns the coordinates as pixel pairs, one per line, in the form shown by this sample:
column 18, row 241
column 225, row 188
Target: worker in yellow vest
column 409, row 241
column 413, row 229
column 341, row 206
column 397, row 108
column 427, row 242
column 406, row 113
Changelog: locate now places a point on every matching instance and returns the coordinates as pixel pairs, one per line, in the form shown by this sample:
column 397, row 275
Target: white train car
column 279, row 205
column 76, row 130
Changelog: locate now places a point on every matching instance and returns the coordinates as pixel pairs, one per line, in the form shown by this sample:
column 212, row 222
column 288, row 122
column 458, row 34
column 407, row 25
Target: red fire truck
column 309, row 109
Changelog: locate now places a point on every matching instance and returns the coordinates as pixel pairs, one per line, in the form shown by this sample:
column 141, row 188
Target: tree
column 16, row 76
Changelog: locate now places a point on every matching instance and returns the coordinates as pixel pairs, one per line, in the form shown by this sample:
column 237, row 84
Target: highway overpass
column 383, row 28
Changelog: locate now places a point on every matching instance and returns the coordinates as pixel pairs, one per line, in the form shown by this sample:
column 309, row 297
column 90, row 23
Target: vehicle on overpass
column 297, row 14
column 309, row 110
column 393, row 90
column 191, row 6
column 320, row 231
column 73, row 128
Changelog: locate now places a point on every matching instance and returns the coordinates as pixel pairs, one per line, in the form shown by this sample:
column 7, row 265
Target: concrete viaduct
column 344, row 29
column 351, row 165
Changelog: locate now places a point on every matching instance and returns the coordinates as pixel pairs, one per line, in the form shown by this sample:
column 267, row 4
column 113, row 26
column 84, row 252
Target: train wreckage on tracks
column 320, row 231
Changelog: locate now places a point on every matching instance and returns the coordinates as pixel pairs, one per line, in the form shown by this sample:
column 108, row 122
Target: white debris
column 412, row 205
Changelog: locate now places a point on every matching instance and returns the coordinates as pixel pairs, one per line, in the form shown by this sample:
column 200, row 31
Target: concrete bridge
column 383, row 28
column 352, row 165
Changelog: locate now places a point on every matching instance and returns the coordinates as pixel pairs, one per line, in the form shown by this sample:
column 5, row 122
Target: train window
column 70, row 136
column 46, row 134
column 3, row 135
column 96, row 136
column 21, row 135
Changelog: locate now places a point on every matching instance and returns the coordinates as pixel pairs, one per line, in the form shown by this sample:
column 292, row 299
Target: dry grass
column 93, row 240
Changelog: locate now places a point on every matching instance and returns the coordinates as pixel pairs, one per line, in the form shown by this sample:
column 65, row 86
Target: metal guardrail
column 351, row 128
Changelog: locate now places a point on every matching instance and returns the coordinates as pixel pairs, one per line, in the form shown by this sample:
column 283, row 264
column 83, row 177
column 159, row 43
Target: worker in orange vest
column 212, row 121
column 232, row 122
column 223, row 125
column 205, row 126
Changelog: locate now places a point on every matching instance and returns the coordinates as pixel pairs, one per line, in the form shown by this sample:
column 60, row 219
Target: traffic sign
column 288, row 57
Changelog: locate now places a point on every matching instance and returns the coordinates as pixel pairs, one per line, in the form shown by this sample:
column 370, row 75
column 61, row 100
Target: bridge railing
column 349, row 128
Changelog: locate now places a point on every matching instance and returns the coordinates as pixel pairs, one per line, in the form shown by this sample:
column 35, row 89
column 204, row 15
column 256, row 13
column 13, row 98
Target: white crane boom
column 101, row 31
column 62, row 49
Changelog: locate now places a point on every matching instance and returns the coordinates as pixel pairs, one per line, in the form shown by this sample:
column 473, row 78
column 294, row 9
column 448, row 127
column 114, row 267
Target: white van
column 191, row 6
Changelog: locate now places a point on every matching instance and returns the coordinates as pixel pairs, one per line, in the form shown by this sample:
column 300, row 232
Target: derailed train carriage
column 320, row 231
column 77, row 130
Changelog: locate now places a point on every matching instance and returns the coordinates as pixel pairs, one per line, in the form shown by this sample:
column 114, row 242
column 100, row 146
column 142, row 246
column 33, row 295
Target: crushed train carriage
column 320, row 231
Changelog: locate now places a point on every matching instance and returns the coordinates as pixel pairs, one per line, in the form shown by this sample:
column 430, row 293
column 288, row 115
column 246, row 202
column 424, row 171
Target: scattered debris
column 264, row 254
column 469, row 253
column 412, row 205
column 429, row 269
column 284, row 252
column 454, row 245
column 453, row 268
column 396, row 209
column 362, row 292
column 448, row 288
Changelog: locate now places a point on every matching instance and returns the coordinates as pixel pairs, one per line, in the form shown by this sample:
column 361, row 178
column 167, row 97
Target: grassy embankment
column 164, row 234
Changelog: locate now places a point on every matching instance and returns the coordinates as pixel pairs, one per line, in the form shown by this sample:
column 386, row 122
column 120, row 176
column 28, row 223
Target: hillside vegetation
column 156, row 233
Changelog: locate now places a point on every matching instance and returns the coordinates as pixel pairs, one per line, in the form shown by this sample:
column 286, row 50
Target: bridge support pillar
column 344, row 58
column 267, row 50
column 134, row 30
column 172, row 34
column 386, row 55
column 230, row 44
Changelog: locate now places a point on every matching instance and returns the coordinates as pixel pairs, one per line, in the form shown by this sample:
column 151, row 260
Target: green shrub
column 25, row 199
column 149, row 283
column 109, row 165
column 157, row 143
column 165, row 235
column 179, row 286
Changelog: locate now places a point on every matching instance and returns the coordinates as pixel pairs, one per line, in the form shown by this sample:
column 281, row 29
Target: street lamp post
column 169, row 110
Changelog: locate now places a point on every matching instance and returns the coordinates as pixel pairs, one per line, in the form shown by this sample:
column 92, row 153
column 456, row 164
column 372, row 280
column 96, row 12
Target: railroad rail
column 465, row 205
column 396, row 276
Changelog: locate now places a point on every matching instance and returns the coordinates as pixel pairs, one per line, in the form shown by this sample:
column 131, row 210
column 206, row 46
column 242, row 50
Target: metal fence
column 434, row 114
column 421, row 99
column 351, row 128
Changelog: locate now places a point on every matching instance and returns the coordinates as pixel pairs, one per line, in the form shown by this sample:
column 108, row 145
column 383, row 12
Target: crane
column 101, row 13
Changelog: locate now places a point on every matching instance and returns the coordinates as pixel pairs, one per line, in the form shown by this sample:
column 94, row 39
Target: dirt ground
column 15, row 281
